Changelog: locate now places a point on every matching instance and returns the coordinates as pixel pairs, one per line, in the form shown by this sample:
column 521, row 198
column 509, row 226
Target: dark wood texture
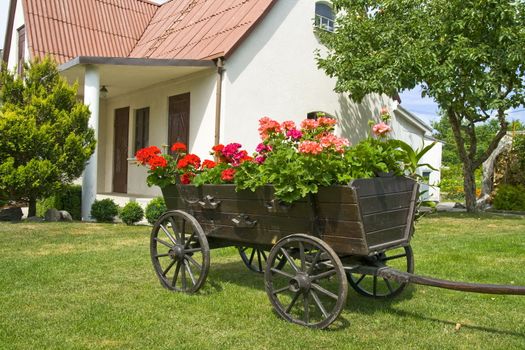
column 405, row 277
column 120, row 155
column 357, row 219
column 179, row 119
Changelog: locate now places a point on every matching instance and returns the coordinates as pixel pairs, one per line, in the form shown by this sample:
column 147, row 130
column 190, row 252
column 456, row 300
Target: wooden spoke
column 254, row 258
column 374, row 291
column 318, row 303
column 259, row 260
column 251, row 257
column 183, row 276
column 192, row 250
column 280, row 290
column 189, row 272
column 176, row 274
column 324, row 291
column 306, row 297
column 174, row 227
column 163, row 242
column 295, row 297
column 168, row 234
column 388, row 285
column 302, row 256
column 282, row 273
column 360, row 279
column 190, row 259
column 393, row 257
column 314, row 261
column 168, row 268
column 290, row 260
column 192, row 236
column 323, row 275
column 162, row 255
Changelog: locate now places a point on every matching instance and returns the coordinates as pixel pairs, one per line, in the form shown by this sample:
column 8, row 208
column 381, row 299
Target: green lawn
column 69, row 286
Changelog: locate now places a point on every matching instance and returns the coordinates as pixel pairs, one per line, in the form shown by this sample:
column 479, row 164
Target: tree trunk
column 32, row 207
column 469, row 186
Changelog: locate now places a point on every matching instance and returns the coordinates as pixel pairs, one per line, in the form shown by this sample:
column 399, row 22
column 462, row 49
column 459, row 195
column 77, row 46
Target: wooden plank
column 391, row 234
column 336, row 194
column 345, row 245
column 382, row 185
column 234, row 235
column 385, row 202
column 384, row 220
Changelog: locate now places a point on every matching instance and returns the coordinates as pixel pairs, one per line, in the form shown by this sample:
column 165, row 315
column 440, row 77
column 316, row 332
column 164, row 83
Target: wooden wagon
column 309, row 251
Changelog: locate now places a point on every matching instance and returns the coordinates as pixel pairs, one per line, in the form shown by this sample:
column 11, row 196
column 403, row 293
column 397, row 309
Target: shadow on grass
column 237, row 273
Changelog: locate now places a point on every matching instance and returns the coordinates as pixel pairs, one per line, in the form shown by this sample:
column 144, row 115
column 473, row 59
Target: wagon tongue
column 405, row 277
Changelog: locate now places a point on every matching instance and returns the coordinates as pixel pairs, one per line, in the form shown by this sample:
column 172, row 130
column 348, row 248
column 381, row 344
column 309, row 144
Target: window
column 141, row 128
column 21, row 49
column 316, row 114
column 324, row 16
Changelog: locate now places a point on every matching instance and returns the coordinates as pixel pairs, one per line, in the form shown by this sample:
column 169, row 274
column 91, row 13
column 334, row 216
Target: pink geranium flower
column 338, row 143
column 294, row 134
column 381, row 129
column 310, row 147
column 267, row 126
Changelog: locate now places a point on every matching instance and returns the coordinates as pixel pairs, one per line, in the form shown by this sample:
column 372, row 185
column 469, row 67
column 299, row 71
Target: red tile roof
column 178, row 29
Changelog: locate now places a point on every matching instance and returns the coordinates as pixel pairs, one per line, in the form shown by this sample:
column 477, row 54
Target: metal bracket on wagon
column 276, row 206
column 243, row 221
column 209, row 202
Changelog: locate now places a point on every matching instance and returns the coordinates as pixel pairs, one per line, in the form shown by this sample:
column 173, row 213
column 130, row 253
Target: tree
column 45, row 140
column 466, row 54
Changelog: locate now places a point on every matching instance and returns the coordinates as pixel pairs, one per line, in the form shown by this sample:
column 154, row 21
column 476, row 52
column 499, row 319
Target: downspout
column 218, row 100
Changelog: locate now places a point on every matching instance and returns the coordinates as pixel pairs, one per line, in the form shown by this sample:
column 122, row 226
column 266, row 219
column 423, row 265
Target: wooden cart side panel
column 387, row 207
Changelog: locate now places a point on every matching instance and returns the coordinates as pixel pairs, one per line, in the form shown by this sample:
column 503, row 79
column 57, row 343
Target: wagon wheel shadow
column 235, row 272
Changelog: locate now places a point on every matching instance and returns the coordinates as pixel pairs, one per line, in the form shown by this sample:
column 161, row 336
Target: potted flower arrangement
column 295, row 159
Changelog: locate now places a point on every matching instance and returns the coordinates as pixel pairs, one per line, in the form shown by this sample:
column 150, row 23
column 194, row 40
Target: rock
column 65, row 216
column 52, row 215
column 34, row 219
column 458, row 205
column 11, row 214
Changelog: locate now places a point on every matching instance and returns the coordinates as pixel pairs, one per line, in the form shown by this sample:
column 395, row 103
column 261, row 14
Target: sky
column 424, row 108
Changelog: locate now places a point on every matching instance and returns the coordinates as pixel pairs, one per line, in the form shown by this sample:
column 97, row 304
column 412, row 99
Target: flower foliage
column 296, row 160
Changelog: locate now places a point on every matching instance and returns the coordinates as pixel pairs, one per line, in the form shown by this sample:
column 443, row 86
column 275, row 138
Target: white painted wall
column 433, row 157
column 13, row 51
column 201, row 87
column 274, row 73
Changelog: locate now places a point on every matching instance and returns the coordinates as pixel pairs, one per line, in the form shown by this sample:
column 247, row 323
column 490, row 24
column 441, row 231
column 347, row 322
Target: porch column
column 89, row 177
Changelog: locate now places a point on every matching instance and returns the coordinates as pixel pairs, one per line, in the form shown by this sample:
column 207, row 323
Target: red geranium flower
column 228, row 175
column 157, row 162
column 189, row 159
column 144, row 155
column 179, row 147
column 186, row 178
column 208, row 164
column 217, row 149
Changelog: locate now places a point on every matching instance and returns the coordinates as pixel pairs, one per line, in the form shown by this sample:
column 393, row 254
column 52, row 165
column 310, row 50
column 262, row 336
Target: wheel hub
column 177, row 252
column 301, row 282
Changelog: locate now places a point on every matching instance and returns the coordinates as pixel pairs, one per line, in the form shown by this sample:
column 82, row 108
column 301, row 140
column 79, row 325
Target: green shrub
column 131, row 213
column 510, row 197
column 104, row 210
column 68, row 198
column 155, row 209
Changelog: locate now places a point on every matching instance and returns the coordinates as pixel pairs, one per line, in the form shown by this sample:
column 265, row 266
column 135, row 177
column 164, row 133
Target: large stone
column 52, row 215
column 65, row 216
column 11, row 214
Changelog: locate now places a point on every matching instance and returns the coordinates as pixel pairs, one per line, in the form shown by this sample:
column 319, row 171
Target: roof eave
column 127, row 61
column 414, row 119
column 9, row 31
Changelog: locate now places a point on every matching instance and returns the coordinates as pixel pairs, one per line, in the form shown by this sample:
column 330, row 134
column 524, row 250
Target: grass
column 91, row 286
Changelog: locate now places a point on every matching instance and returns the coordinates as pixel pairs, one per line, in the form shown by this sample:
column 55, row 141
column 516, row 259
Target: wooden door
column 120, row 153
column 179, row 119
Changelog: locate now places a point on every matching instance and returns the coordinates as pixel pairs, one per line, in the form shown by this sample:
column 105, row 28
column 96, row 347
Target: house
column 196, row 71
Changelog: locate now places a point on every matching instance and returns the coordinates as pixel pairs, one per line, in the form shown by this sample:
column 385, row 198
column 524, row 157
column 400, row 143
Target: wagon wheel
column 255, row 259
column 180, row 252
column 310, row 288
column 401, row 259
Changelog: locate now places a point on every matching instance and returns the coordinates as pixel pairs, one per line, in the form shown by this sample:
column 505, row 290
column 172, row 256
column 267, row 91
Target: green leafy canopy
column 45, row 140
column 465, row 54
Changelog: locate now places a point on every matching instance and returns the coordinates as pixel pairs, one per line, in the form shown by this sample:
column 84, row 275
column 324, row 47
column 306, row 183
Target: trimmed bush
column 510, row 197
column 69, row 198
column 131, row 213
column 155, row 209
column 104, row 210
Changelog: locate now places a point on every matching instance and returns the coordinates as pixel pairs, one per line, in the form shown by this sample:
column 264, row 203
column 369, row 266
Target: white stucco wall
column 201, row 87
column 274, row 73
column 13, row 51
column 433, row 157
